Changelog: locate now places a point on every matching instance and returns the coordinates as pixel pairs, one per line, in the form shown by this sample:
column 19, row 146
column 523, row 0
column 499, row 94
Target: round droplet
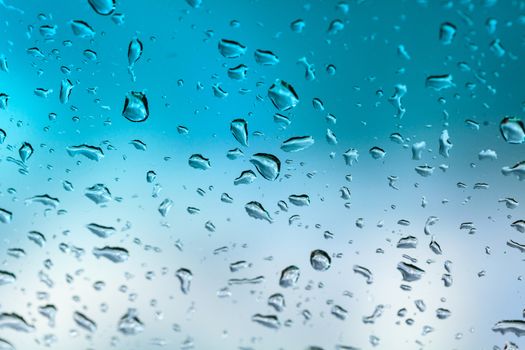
column 320, row 260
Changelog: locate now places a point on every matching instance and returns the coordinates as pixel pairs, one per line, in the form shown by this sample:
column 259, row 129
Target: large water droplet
column 268, row 165
column 136, row 107
column 283, row 95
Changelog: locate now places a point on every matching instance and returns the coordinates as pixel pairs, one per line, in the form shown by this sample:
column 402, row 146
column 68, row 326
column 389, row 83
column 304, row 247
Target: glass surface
column 188, row 174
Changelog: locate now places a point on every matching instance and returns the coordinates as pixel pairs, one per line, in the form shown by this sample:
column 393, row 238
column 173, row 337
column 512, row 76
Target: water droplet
column 101, row 231
column 517, row 327
column 98, row 193
column 15, row 322
column 165, row 206
column 277, row 302
column 246, row 178
column 270, row 321
column 130, row 324
column 439, row 82
column 238, row 72
column 320, row 260
column 5, row 216
column 197, row 161
column 7, row 277
column 90, row 152
column 136, row 107
column 103, row 7
column 65, row 90
column 363, row 271
column 84, row 322
column 82, row 29
column 266, row 58
column 231, row 49
column 297, row 143
column 297, row 26
column 113, row 254
column 185, row 276
column 25, row 152
column 239, row 130
column 289, row 276
column 268, row 165
column 300, row 200
column 283, row 95
column 447, row 33
column 517, row 169
column 513, row 130
column 257, row 211
column 410, row 272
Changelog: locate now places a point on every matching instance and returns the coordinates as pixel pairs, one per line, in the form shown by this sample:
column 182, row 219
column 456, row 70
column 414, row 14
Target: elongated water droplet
column 113, row 254
column 84, row 322
column 297, row 143
column 239, row 130
column 257, row 211
column 90, row 152
column 185, row 277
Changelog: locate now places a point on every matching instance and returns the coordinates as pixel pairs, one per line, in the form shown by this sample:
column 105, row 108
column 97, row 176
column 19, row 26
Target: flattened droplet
column 289, row 276
column 513, row 130
column 90, row 152
column 297, row 143
column 410, row 272
column 7, row 277
column 439, row 82
column 265, row 57
column 185, row 277
column 517, row 327
column 300, row 200
column 15, row 322
column 84, row 322
column 197, row 161
column 5, row 216
column 130, row 324
column 101, row 231
column 269, row 321
column 283, row 95
column 320, row 260
column 268, row 165
column 103, row 7
column 517, row 169
column 82, row 29
column 246, row 178
column 136, row 107
column 113, row 254
column 231, row 48
column 98, row 193
column 257, row 211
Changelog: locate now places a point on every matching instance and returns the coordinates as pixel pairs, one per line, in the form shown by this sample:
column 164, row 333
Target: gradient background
column 180, row 43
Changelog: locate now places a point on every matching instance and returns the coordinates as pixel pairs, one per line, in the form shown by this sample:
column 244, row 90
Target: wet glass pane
column 204, row 174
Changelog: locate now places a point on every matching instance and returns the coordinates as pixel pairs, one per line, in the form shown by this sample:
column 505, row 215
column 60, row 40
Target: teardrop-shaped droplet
column 268, row 165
